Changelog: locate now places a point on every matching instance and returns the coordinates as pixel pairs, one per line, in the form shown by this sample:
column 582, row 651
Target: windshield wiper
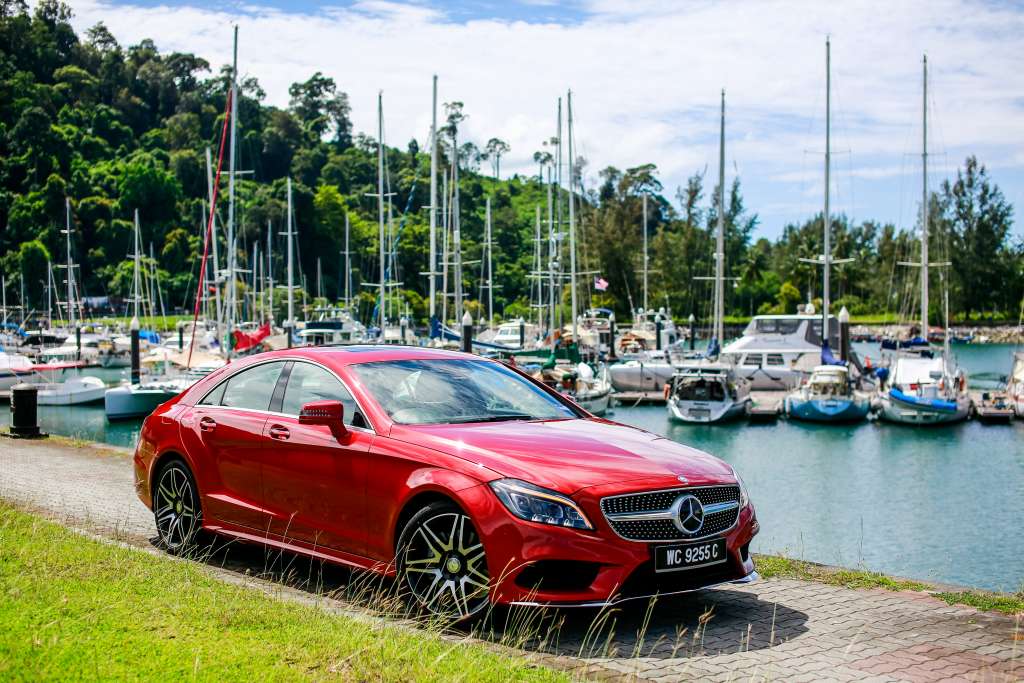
column 505, row 417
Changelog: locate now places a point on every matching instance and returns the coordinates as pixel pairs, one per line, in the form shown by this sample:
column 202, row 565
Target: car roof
column 355, row 354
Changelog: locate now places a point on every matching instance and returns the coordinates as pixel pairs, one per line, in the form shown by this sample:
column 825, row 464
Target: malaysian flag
column 600, row 284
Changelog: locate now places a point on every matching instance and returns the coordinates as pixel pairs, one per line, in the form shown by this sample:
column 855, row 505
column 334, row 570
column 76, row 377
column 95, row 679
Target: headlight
column 744, row 496
column 535, row 504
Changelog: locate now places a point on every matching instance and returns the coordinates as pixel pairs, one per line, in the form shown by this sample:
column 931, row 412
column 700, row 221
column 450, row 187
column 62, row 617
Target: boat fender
column 963, row 382
column 585, row 372
column 667, row 390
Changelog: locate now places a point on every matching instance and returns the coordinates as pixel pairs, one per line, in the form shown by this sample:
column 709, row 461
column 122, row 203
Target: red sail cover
column 245, row 341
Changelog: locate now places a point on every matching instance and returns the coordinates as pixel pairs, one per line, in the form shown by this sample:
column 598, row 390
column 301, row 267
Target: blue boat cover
column 932, row 403
column 713, row 349
column 828, row 359
column 150, row 336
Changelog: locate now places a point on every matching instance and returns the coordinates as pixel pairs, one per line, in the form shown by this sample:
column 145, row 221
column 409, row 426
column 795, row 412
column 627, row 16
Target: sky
column 646, row 79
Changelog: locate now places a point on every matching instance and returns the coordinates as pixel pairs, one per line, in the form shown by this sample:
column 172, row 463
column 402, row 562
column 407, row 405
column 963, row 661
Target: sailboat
column 709, row 391
column 922, row 385
column 828, row 396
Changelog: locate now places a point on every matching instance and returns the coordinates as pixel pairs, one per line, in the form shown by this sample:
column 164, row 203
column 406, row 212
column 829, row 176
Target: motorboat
column 650, row 371
column 71, row 392
column 138, row 400
column 89, row 353
column 587, row 386
column 332, row 326
column 514, row 334
column 706, row 393
column 828, row 396
column 14, row 368
column 780, row 351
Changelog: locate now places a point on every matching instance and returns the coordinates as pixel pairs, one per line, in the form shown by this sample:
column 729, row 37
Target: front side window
column 456, row 391
column 307, row 383
column 252, row 388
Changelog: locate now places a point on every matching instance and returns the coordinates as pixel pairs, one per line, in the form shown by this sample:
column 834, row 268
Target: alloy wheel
column 444, row 565
column 176, row 508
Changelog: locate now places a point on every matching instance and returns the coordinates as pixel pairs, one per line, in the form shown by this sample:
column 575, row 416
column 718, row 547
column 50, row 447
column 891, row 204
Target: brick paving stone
column 780, row 629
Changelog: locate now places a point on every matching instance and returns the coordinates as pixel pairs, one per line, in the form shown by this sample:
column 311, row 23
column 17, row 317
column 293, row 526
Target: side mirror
column 329, row 413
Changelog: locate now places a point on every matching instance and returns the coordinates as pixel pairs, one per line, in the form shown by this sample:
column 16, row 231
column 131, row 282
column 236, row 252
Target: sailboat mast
column 646, row 258
column 231, row 187
column 552, row 261
column 213, row 241
column 270, row 276
column 456, row 227
column 720, row 233
column 432, row 268
column 380, row 210
column 827, row 254
column 924, row 200
column 558, row 204
column 348, row 265
column 135, row 271
column 490, row 268
column 572, row 222
column 538, row 266
column 71, row 284
column 290, row 323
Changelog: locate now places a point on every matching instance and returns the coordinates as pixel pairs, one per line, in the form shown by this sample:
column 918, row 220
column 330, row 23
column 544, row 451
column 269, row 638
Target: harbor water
column 944, row 504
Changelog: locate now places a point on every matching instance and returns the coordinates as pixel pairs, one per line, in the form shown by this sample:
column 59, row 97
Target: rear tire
column 176, row 508
column 442, row 563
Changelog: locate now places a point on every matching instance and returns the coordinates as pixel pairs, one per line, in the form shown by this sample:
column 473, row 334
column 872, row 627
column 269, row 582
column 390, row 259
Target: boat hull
column 893, row 409
column 707, row 412
column 639, row 376
column 127, row 402
column 595, row 403
column 90, row 390
column 827, row 410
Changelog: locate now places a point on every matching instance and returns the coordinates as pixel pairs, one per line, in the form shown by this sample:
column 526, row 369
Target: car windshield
column 456, row 391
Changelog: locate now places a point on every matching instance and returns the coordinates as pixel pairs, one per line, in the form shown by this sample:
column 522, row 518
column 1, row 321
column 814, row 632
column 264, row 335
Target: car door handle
column 207, row 424
column 280, row 433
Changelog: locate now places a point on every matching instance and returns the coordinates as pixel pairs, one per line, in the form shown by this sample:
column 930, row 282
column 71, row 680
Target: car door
column 314, row 483
column 228, row 424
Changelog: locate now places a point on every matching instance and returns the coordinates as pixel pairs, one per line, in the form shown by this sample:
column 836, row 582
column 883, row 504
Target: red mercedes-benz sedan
column 462, row 476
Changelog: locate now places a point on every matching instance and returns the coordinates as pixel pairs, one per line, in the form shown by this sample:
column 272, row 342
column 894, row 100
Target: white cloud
column 646, row 78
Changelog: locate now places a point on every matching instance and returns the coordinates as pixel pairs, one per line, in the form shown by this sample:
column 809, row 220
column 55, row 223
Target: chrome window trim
column 662, row 514
column 285, row 359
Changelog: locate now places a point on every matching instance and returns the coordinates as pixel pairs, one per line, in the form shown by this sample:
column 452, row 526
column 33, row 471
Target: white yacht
column 508, row 334
column 333, row 326
column 780, row 351
column 14, row 368
column 68, row 352
column 71, row 392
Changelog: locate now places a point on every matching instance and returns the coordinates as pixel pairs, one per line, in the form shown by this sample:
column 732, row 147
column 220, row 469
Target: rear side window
column 307, row 383
column 251, row 388
column 214, row 397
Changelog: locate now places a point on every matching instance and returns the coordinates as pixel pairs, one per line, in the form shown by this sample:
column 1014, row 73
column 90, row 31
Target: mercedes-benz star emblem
column 689, row 514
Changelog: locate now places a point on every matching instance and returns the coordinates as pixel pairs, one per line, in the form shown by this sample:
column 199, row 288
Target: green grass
column 773, row 566
column 74, row 608
column 987, row 602
column 149, row 322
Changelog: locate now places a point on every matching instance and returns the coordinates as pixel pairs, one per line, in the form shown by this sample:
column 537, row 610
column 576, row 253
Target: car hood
column 568, row 455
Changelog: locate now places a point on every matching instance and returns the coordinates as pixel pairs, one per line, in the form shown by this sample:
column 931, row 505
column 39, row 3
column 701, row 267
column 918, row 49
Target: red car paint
column 343, row 499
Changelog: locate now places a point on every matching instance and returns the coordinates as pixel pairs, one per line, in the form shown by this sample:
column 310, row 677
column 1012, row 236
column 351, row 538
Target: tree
column 494, row 150
column 321, row 108
column 980, row 219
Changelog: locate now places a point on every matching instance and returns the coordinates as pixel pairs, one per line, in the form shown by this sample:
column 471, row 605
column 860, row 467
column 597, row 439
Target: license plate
column 700, row 412
column 670, row 558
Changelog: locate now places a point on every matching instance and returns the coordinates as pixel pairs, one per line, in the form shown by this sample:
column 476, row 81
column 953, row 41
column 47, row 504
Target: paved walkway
column 770, row 630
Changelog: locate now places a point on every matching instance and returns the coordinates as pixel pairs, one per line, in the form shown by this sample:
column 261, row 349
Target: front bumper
column 538, row 564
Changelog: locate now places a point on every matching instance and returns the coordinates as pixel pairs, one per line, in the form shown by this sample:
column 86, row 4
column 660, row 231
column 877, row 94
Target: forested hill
column 122, row 128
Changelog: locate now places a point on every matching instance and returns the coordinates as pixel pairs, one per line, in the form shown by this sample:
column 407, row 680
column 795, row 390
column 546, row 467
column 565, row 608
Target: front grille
column 657, row 504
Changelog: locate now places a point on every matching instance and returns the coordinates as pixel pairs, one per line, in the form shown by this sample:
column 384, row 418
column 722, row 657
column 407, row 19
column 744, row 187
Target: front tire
column 176, row 508
column 442, row 563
